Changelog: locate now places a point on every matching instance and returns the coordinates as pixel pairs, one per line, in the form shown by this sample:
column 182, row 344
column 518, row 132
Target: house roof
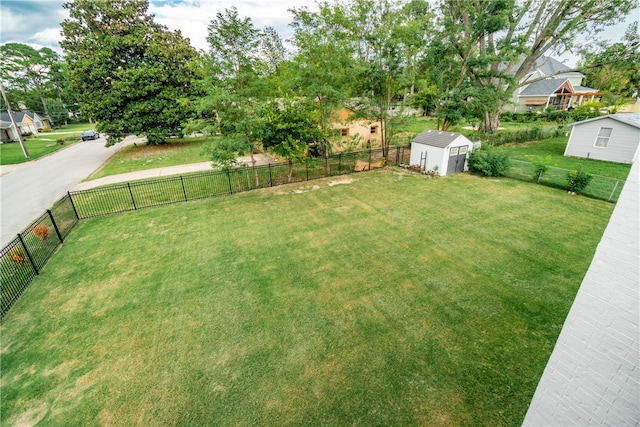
column 631, row 119
column 5, row 124
column 436, row 138
column 19, row 116
column 542, row 87
column 548, row 66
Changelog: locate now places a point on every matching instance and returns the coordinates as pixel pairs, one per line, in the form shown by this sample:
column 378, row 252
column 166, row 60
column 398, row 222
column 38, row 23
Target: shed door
column 457, row 157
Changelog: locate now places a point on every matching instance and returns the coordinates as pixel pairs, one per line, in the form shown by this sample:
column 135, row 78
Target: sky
column 37, row 22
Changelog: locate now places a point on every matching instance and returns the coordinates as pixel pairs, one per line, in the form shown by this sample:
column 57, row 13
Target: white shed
column 614, row 138
column 444, row 152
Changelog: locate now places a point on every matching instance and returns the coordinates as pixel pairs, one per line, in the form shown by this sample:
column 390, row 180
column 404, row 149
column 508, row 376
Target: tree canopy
column 134, row 75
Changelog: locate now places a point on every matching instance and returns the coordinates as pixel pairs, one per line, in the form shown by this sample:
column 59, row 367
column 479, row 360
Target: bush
column 578, row 181
column 540, row 166
column 489, row 162
column 16, row 255
column 42, row 231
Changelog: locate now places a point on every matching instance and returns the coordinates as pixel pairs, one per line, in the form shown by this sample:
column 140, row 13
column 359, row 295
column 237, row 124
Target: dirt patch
column 31, row 417
column 345, row 180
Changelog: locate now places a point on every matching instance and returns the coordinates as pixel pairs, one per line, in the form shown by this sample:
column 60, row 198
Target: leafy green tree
column 240, row 59
column 493, row 45
column 614, row 68
column 134, row 76
column 27, row 69
column 290, row 127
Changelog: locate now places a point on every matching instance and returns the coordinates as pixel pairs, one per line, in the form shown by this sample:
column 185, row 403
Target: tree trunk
column 491, row 121
column 290, row 170
column 255, row 170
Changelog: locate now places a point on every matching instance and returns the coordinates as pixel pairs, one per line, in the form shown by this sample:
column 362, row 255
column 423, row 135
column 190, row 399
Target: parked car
column 90, row 134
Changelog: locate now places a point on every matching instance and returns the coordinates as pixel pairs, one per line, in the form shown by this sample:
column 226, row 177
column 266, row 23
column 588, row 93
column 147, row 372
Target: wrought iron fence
column 143, row 194
column 23, row 258
column 600, row 187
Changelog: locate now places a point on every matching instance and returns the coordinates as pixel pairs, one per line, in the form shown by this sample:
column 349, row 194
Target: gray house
column 444, row 152
column 614, row 138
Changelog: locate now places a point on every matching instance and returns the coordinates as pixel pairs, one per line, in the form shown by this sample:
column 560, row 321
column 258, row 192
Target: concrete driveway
column 27, row 190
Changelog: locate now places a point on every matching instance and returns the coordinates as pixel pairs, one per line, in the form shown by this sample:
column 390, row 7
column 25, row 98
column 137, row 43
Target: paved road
column 27, row 191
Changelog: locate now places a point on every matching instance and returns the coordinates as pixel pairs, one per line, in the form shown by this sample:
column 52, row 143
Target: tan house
column 354, row 133
column 552, row 84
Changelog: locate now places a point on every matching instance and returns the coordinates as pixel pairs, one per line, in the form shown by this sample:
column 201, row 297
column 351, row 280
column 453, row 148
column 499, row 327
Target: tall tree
column 375, row 39
column 26, row 68
column 290, row 127
column 614, row 68
column 134, row 76
column 240, row 60
column 494, row 44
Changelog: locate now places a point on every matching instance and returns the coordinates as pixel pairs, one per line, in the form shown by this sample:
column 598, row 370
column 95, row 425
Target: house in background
column 26, row 123
column 8, row 132
column 440, row 151
column 42, row 123
column 552, row 86
column 614, row 138
column 354, row 132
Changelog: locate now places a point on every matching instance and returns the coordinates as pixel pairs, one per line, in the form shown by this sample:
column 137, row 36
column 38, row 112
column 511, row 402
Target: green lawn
column 142, row 157
column 42, row 144
column 385, row 298
column 555, row 147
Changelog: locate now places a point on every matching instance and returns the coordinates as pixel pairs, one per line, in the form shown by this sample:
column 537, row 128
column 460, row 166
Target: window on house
column 603, row 137
column 374, row 129
column 344, row 132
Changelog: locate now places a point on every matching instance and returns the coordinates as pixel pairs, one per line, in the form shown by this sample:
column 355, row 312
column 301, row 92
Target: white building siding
column 593, row 374
column 622, row 146
column 434, row 155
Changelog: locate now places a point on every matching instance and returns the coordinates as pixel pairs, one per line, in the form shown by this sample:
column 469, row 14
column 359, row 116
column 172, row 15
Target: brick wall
column 593, row 374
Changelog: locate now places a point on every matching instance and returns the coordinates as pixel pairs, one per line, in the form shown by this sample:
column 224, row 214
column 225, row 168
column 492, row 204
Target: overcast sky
column 37, row 22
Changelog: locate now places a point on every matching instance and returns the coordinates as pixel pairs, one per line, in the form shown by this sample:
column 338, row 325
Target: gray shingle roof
column 435, row 138
column 547, row 66
column 543, row 87
column 631, row 119
column 17, row 116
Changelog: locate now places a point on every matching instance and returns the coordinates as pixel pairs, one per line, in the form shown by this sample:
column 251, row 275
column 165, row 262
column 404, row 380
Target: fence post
column 613, row 191
column 306, row 164
column 55, row 226
column 270, row 178
column 339, row 164
column 132, row 199
column 540, row 174
column 26, row 251
column 183, row 189
column 75, row 211
column 370, row 150
column 229, row 179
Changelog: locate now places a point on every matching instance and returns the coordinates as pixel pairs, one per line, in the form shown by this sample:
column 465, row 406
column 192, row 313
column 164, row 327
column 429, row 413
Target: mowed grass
column 384, row 298
column 42, row 144
column 142, row 157
column 554, row 147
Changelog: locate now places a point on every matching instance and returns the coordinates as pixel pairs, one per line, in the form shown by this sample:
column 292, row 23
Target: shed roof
column 436, row 138
column 632, row 119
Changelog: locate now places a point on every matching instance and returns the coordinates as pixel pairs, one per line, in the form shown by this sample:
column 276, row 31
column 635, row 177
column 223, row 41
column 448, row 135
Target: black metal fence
column 144, row 194
column 23, row 258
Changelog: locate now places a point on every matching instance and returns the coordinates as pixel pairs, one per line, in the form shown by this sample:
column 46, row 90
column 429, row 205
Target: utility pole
column 13, row 121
